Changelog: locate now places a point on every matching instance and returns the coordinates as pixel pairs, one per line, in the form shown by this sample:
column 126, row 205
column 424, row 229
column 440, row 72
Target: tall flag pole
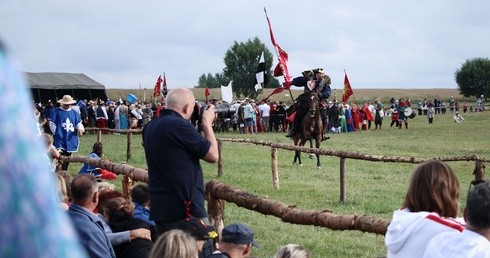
column 260, row 76
column 281, row 68
column 347, row 89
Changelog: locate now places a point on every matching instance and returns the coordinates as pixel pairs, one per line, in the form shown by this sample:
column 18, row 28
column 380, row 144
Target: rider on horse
column 313, row 81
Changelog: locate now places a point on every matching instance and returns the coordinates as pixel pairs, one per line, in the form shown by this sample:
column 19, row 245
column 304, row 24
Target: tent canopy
column 52, row 86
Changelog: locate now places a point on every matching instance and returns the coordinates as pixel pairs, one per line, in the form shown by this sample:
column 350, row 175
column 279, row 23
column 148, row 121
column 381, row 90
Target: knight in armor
column 313, row 81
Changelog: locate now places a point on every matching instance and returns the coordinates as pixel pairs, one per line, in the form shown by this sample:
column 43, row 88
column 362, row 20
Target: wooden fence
column 479, row 170
column 217, row 192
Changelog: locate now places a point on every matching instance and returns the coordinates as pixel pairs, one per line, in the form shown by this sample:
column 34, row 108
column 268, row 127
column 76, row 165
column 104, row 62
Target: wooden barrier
column 343, row 155
column 479, row 170
column 216, row 192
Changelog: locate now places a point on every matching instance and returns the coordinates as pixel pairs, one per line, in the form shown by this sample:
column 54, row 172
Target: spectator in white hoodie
column 430, row 206
column 475, row 239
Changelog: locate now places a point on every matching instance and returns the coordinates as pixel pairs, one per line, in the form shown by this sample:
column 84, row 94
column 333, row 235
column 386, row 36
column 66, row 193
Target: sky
column 128, row 44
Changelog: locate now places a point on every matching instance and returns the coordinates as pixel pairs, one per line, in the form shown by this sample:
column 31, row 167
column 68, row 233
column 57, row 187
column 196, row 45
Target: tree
column 473, row 78
column 212, row 81
column 241, row 62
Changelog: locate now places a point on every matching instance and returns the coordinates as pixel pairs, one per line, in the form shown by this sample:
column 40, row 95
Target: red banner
column 156, row 90
column 347, row 90
column 281, row 68
column 206, row 93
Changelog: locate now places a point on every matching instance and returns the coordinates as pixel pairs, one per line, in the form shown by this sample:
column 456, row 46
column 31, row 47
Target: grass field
column 373, row 188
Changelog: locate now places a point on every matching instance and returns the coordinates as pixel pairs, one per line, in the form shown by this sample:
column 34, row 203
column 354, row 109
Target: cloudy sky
column 122, row 44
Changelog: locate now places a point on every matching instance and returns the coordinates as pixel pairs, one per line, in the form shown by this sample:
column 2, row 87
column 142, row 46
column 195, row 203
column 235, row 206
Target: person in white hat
column 66, row 125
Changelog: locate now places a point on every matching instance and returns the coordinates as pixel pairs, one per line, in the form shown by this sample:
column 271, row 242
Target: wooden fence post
column 220, row 158
column 128, row 147
column 275, row 173
column 99, row 135
column 479, row 171
column 342, row 179
column 127, row 185
column 216, row 211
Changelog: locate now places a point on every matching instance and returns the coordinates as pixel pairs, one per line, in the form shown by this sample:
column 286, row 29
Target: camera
column 225, row 110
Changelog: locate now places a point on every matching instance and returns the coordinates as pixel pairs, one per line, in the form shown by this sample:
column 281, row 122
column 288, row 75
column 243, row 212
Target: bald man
column 173, row 149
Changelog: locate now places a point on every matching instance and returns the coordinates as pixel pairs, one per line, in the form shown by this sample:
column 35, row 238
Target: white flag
column 227, row 92
column 260, row 75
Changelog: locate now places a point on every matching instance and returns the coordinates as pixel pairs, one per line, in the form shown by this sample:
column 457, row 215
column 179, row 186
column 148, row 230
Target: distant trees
column 212, row 81
column 241, row 62
column 473, row 78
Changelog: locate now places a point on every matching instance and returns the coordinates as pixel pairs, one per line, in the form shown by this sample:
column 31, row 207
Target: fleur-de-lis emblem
column 68, row 126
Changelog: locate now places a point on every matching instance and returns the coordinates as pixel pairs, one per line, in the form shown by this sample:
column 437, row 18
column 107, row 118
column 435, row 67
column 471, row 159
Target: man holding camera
column 173, row 149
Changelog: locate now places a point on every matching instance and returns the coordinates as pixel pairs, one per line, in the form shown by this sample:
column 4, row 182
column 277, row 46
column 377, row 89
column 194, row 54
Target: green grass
column 372, row 188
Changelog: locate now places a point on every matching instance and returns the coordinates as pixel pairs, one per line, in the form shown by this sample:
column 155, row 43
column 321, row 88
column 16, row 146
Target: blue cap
column 238, row 234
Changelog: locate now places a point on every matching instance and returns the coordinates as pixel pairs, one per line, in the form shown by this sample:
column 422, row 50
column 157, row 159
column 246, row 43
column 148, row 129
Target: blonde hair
column 48, row 139
column 174, row 244
column 292, row 251
column 62, row 188
column 102, row 186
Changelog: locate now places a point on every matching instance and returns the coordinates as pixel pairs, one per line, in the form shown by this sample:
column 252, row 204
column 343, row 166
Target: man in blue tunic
column 173, row 149
column 313, row 81
column 66, row 125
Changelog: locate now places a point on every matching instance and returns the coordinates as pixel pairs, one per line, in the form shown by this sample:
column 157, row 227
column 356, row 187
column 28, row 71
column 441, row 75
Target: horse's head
column 313, row 104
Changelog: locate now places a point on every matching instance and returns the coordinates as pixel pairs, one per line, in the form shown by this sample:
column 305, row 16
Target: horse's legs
column 318, row 141
column 297, row 154
column 311, row 155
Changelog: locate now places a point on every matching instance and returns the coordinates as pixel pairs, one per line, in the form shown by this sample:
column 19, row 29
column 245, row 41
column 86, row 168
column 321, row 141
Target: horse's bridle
column 312, row 111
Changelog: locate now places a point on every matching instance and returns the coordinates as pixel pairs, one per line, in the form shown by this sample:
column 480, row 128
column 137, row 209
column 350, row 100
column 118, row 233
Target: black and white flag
column 260, row 75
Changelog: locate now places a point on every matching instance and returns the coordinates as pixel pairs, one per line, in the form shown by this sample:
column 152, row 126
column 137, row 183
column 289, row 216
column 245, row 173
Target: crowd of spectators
column 248, row 116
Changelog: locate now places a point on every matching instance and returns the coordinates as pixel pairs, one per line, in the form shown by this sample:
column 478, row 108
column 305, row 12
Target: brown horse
column 310, row 129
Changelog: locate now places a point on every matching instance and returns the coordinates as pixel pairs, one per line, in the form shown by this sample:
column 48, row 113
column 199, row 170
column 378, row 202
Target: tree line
column 242, row 58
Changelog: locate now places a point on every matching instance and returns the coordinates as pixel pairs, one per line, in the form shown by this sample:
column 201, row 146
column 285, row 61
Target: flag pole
column 277, row 53
column 161, row 87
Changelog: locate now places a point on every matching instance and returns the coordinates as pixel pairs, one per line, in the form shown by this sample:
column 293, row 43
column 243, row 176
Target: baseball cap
column 238, row 234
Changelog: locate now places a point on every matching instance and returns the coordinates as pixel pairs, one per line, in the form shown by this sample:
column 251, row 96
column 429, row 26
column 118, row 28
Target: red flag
column 281, row 68
column 206, row 93
column 277, row 70
column 164, row 91
column 270, row 29
column 347, row 90
column 278, row 90
column 156, row 90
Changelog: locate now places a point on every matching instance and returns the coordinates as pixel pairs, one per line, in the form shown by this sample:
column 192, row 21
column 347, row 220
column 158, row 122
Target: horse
column 311, row 128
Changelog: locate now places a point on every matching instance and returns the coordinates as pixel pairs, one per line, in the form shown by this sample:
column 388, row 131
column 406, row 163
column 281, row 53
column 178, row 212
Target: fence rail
column 217, row 192
column 479, row 170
